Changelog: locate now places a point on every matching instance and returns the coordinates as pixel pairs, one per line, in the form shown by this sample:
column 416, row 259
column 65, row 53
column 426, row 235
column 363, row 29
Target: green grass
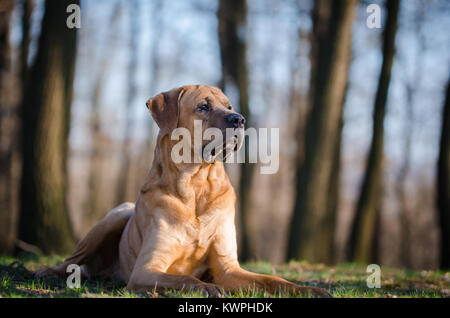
column 345, row 280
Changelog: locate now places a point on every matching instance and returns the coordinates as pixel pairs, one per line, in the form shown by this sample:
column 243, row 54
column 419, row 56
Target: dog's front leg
column 238, row 278
column 150, row 270
column 227, row 273
column 148, row 281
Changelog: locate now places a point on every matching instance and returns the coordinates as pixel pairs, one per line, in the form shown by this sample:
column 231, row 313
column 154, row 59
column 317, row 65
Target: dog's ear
column 164, row 109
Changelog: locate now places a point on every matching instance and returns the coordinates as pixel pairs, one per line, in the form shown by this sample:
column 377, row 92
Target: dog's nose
column 236, row 120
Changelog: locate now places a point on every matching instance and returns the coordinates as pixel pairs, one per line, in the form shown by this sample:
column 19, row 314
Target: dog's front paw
column 313, row 292
column 209, row 290
column 304, row 291
column 320, row 292
column 49, row 271
column 57, row 271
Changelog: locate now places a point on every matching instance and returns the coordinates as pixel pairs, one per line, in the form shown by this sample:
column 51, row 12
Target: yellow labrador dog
column 180, row 233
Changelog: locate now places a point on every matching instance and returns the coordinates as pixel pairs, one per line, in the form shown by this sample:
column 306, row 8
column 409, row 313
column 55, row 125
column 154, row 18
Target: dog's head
column 181, row 107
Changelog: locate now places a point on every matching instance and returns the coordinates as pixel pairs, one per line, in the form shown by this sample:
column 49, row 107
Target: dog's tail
column 98, row 252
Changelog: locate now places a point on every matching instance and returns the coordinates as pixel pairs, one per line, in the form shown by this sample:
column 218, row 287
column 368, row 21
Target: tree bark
column 363, row 229
column 8, row 136
column 443, row 183
column 311, row 228
column 44, row 219
column 27, row 9
column 321, row 17
column 232, row 16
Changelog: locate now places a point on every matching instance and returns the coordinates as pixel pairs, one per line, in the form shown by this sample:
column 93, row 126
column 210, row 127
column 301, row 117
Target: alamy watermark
column 373, row 20
column 210, row 145
column 73, row 21
column 74, row 279
column 374, row 279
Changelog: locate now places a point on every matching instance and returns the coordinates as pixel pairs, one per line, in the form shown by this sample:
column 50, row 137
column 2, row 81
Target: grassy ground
column 346, row 280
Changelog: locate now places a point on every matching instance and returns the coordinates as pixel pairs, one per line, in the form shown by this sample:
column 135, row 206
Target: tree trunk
column 321, row 18
column 363, row 229
column 232, row 16
column 299, row 112
column 405, row 242
column 8, row 136
column 44, row 219
column 311, row 229
column 414, row 81
column 443, row 184
column 27, row 9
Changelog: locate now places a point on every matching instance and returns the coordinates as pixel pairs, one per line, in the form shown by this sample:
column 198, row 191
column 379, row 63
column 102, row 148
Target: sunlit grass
column 342, row 281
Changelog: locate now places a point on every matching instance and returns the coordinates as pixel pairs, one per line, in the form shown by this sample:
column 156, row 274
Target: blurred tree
column 443, row 183
column 363, row 231
column 27, row 9
column 232, row 16
column 8, row 122
column 320, row 18
column 96, row 157
column 299, row 106
column 44, row 219
column 412, row 83
column 144, row 157
column 312, row 225
column 125, row 151
column 157, row 25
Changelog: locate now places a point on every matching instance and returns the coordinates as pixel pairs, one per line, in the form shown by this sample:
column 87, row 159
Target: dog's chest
column 194, row 252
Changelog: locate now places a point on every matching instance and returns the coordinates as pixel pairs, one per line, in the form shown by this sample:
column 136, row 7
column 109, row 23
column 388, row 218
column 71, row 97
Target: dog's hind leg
column 98, row 252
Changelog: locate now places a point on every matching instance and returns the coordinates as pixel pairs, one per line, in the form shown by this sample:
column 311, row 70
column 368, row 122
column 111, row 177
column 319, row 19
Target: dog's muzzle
column 235, row 120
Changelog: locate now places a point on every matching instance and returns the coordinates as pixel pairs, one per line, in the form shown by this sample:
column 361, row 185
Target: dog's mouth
column 232, row 144
column 223, row 151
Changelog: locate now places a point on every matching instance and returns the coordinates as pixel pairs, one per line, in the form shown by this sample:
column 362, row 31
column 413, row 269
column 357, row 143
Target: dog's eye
column 230, row 108
column 203, row 107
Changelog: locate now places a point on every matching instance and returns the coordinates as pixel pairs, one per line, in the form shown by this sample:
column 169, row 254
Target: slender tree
column 144, row 157
column 363, row 231
column 27, row 9
column 311, row 231
column 232, row 16
column 124, row 173
column 443, row 183
column 6, row 8
column 8, row 200
column 299, row 107
column 320, row 16
column 411, row 83
column 96, row 156
column 45, row 114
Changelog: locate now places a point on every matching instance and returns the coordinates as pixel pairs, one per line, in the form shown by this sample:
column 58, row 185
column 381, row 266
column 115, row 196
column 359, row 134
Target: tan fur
column 180, row 233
